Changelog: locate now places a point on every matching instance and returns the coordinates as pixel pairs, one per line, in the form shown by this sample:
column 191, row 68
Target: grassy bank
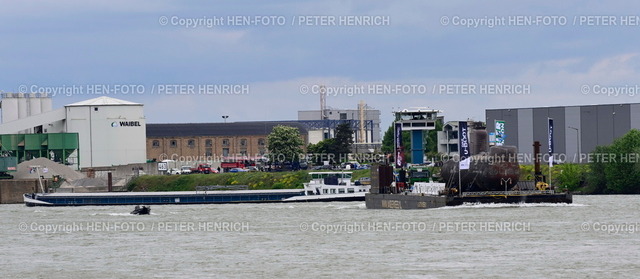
column 255, row 180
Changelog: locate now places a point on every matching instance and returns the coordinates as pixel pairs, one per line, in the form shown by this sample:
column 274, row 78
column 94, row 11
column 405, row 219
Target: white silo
column 35, row 107
column 45, row 103
column 22, row 106
column 9, row 107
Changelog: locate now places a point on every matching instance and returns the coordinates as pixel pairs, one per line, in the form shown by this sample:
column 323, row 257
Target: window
column 243, row 142
column 156, row 143
column 225, row 152
column 243, row 152
column 208, row 152
column 453, row 148
column 343, row 116
column 325, row 191
column 261, row 142
column 333, row 191
column 341, row 191
column 350, row 190
column 225, row 142
column 208, row 143
column 173, row 143
column 262, row 151
column 191, row 143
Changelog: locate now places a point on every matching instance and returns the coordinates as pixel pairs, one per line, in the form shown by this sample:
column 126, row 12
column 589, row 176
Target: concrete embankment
column 11, row 191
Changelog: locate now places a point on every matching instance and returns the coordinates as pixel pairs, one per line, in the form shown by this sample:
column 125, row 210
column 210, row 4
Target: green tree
column 284, row 143
column 343, row 140
column 569, row 176
column 323, row 150
column 621, row 169
column 597, row 176
column 615, row 168
column 387, row 141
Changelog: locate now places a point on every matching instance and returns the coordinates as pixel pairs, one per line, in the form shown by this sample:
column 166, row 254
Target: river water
column 595, row 237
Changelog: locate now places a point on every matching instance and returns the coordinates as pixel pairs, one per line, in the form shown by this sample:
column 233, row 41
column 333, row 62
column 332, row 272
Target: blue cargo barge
column 186, row 197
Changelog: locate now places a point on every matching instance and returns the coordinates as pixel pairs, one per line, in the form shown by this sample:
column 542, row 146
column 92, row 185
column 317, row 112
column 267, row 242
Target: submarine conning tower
column 494, row 168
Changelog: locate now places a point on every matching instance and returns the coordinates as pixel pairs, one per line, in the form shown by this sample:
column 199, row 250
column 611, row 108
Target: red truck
column 202, row 168
column 231, row 165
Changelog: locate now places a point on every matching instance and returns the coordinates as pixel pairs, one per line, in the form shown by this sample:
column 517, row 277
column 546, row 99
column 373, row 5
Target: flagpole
column 550, row 139
column 459, row 161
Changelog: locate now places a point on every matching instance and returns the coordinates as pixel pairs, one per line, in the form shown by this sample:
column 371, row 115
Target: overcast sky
column 391, row 54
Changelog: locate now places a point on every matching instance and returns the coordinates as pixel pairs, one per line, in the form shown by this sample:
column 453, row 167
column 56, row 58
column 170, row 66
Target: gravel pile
column 53, row 168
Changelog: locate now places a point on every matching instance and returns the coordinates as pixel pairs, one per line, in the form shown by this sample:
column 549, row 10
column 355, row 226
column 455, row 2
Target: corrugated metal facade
column 596, row 124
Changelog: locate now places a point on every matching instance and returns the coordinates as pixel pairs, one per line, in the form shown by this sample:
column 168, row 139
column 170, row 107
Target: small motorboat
column 141, row 210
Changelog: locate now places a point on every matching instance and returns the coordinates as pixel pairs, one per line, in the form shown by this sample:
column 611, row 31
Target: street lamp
column 577, row 142
column 225, row 118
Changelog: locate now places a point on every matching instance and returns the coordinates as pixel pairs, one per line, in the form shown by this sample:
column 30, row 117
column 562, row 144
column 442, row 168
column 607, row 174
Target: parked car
column 252, row 168
column 237, row 170
column 185, row 170
column 174, row 171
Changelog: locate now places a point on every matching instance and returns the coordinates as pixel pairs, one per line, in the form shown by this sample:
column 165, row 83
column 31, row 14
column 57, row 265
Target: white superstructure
column 327, row 183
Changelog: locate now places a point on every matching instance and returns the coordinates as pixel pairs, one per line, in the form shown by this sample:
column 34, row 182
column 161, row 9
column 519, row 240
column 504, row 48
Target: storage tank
column 22, row 106
column 35, row 107
column 45, row 103
column 9, row 108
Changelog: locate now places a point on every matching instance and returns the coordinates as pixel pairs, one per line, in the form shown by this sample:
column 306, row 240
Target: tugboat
column 141, row 210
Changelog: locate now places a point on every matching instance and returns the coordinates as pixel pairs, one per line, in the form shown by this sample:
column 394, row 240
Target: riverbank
column 255, row 180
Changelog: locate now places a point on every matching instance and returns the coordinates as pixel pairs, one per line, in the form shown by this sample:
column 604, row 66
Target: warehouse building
column 212, row 142
column 577, row 129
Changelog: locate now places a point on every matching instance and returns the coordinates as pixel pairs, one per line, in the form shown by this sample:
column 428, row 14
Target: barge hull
column 400, row 201
column 414, row 201
column 157, row 198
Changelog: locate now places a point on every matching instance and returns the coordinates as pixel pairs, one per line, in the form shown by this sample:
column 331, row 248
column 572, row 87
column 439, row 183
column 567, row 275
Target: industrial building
column 577, row 129
column 106, row 132
column 97, row 132
column 208, row 142
column 364, row 121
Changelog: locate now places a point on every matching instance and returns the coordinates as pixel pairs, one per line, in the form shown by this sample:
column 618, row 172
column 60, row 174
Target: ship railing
column 508, row 193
